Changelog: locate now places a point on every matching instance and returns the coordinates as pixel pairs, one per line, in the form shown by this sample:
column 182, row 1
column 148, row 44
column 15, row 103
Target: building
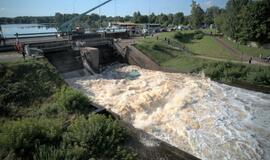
column 133, row 28
column 151, row 28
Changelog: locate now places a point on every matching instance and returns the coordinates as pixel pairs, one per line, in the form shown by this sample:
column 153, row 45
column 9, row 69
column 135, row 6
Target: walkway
column 233, row 61
column 11, row 56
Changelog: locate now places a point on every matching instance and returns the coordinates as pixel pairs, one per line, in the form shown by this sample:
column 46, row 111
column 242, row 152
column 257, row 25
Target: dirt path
column 234, row 61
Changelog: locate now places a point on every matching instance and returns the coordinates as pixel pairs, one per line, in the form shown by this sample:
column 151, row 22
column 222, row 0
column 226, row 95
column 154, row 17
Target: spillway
column 193, row 113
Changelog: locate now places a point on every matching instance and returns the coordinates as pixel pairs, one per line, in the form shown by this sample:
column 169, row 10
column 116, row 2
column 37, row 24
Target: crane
column 68, row 26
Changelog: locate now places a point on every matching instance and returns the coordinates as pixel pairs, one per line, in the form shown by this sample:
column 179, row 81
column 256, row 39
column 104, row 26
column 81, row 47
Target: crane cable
column 115, row 12
column 99, row 10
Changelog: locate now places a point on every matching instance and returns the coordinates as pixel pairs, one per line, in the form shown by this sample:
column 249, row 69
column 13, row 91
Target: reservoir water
column 10, row 29
column 202, row 117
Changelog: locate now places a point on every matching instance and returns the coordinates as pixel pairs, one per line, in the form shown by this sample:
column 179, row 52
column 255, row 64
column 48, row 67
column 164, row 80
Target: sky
column 13, row 8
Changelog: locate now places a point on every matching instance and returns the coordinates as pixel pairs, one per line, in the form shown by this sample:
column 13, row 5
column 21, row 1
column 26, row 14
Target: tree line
column 242, row 20
column 95, row 20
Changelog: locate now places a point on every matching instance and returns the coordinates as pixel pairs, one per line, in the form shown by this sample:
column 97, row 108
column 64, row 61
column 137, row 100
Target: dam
column 190, row 112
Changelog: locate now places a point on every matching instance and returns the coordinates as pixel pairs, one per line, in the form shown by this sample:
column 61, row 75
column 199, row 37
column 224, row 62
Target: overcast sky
column 13, row 8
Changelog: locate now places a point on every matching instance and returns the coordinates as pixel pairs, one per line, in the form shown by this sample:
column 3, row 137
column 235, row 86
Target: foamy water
column 195, row 114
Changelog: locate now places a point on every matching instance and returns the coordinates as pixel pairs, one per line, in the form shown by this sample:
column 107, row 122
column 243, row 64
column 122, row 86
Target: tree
column 170, row 19
column 210, row 14
column 232, row 23
column 152, row 18
column 58, row 19
column 178, row 18
column 197, row 15
column 128, row 18
column 136, row 17
column 219, row 21
column 255, row 22
column 163, row 19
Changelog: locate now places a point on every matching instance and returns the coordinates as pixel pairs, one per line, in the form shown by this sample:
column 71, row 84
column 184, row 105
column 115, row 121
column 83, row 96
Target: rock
column 253, row 44
column 266, row 46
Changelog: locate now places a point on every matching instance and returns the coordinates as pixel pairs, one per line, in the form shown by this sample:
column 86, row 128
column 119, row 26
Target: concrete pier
column 90, row 58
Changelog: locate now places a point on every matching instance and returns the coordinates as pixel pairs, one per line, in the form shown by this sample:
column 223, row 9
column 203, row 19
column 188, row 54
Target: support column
column 90, row 58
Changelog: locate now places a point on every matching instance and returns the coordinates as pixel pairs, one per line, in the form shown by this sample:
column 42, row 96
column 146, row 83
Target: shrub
column 23, row 136
column 24, row 83
column 72, row 100
column 50, row 110
column 96, row 136
column 5, row 110
column 198, row 32
column 198, row 36
column 57, row 153
column 48, row 153
column 231, row 72
column 178, row 35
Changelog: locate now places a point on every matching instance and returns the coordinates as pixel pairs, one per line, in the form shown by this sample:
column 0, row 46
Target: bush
column 24, row 136
column 48, row 153
column 50, row 110
column 96, row 136
column 231, row 72
column 178, row 35
column 24, row 83
column 72, row 100
column 198, row 32
column 56, row 153
column 198, row 36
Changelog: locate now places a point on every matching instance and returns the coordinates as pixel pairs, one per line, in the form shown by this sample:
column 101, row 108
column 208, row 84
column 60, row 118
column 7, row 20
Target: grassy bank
column 249, row 51
column 169, row 56
column 238, row 74
column 192, row 51
column 42, row 118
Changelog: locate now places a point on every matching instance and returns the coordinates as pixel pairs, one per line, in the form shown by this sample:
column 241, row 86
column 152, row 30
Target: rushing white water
column 195, row 114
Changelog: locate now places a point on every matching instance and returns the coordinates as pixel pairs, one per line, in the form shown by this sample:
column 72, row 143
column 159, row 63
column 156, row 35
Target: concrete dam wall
column 88, row 60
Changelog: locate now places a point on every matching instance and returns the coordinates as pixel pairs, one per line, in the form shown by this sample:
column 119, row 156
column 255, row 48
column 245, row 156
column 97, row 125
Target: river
column 10, row 29
column 197, row 115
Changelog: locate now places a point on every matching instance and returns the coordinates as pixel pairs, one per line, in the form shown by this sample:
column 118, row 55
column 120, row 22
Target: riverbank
column 42, row 118
column 48, row 118
column 186, row 54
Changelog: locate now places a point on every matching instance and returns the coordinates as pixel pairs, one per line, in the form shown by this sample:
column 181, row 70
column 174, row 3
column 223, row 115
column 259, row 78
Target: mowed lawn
column 169, row 57
column 250, row 51
column 196, row 51
column 207, row 46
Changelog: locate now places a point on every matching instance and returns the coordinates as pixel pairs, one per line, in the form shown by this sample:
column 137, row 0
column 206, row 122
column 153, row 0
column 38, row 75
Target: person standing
column 1, row 34
column 250, row 60
column 0, row 38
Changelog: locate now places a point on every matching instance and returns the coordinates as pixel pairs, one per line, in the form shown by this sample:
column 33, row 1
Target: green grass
column 210, row 48
column 206, row 46
column 169, row 57
column 250, row 51
column 185, row 64
column 26, row 84
column 172, row 56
